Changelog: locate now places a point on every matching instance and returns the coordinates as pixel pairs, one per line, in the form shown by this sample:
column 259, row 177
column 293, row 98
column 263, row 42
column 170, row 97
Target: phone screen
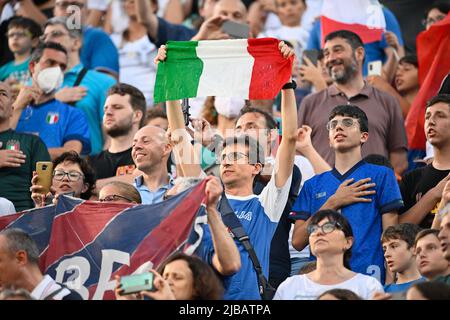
column 312, row 55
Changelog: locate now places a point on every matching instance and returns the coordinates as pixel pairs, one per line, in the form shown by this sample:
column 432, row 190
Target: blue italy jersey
column 364, row 217
column 55, row 123
column 259, row 216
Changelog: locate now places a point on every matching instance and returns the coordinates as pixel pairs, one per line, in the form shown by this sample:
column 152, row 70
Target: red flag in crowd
column 433, row 53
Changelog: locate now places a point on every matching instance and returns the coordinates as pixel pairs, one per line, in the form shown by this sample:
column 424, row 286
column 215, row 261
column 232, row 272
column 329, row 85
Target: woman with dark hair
column 339, row 294
column 437, row 12
column 181, row 277
column 330, row 240
column 72, row 175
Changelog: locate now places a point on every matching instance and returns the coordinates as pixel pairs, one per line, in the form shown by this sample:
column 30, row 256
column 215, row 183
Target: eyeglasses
column 19, row 34
column 431, row 21
column 327, row 227
column 346, row 122
column 53, row 34
column 73, row 176
column 114, row 198
column 66, row 4
column 233, row 156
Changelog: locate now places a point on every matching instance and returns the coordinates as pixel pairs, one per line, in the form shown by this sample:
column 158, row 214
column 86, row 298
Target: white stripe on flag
column 227, row 68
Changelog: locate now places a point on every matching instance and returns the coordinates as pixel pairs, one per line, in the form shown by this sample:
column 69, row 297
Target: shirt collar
column 365, row 91
column 140, row 181
column 38, row 291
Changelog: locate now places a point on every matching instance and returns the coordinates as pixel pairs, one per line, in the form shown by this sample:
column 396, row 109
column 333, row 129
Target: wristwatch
column 290, row 85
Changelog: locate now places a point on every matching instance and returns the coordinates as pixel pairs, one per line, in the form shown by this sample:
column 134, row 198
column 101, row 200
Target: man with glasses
column 344, row 55
column 98, row 51
column 61, row 127
column 82, row 88
column 367, row 195
column 72, row 175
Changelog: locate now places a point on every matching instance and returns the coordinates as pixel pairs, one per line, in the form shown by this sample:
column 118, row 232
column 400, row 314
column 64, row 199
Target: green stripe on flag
column 178, row 76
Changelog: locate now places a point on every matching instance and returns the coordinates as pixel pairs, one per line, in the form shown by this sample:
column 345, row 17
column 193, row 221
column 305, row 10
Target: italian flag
column 52, row 118
column 246, row 68
column 363, row 17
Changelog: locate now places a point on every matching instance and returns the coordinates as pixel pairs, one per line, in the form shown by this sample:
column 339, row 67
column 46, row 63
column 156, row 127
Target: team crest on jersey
column 13, row 145
column 320, row 195
column 52, row 117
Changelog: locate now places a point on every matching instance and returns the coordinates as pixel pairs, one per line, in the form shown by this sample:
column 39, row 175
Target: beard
column 119, row 130
column 343, row 76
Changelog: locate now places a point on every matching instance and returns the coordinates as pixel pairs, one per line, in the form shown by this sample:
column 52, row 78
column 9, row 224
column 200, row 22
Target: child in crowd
column 23, row 36
column 398, row 248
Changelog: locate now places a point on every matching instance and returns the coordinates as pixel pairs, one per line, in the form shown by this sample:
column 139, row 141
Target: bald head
column 233, row 10
column 151, row 149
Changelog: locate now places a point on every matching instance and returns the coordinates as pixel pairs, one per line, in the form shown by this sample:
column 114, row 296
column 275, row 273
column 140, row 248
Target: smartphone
column 374, row 68
column 312, row 55
column 185, row 108
column 236, row 30
column 136, row 283
column 44, row 171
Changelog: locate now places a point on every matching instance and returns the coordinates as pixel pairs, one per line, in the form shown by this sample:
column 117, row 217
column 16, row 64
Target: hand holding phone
column 136, row 283
column 44, row 171
column 374, row 68
column 236, row 30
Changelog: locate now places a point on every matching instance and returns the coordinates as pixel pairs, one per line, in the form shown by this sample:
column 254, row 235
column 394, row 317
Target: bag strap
column 231, row 221
column 78, row 81
column 54, row 293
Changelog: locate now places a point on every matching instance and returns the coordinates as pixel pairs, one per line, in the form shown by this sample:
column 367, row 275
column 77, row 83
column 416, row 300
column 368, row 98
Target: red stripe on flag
column 366, row 33
column 270, row 70
column 433, row 53
column 76, row 235
column 162, row 241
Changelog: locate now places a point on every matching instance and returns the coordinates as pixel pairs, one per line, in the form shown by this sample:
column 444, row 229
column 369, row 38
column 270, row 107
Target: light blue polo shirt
column 97, row 85
column 149, row 197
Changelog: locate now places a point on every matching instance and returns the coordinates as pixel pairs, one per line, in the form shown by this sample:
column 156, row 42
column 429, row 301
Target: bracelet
column 290, row 85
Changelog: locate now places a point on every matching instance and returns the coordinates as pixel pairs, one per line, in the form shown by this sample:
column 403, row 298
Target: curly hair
column 206, row 284
column 88, row 172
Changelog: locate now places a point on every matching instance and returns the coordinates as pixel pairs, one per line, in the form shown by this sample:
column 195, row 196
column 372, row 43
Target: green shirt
column 18, row 72
column 15, row 182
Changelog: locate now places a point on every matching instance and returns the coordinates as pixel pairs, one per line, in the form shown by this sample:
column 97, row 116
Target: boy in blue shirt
column 398, row 248
column 23, row 35
column 367, row 195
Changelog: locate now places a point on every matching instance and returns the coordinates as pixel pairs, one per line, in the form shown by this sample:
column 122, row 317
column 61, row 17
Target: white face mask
column 229, row 107
column 50, row 79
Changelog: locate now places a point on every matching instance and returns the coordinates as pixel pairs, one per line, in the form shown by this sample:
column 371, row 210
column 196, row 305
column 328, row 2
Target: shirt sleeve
column 78, row 129
column 301, row 210
column 397, row 133
column 105, row 56
column 388, row 193
column 168, row 31
column 373, row 286
column 274, row 199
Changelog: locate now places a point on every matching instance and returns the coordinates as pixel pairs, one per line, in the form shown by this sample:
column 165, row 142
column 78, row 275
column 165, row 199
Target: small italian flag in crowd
column 245, row 68
column 52, row 118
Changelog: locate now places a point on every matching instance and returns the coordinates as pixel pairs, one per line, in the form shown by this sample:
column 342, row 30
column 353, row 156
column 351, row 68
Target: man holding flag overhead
column 254, row 69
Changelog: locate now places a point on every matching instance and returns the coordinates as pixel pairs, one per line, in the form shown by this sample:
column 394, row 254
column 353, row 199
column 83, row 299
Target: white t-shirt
column 300, row 287
column 6, row 207
column 136, row 64
column 297, row 36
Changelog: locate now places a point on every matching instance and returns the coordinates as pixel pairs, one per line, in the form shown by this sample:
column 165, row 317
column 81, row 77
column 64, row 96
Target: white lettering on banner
column 374, row 271
column 109, row 257
column 79, row 271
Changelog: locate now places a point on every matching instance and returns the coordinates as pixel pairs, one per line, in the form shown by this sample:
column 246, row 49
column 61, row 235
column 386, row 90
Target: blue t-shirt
column 98, row 51
column 168, row 31
column 364, row 217
column 97, row 85
column 259, row 216
column 374, row 50
column 55, row 123
column 18, row 72
column 393, row 287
